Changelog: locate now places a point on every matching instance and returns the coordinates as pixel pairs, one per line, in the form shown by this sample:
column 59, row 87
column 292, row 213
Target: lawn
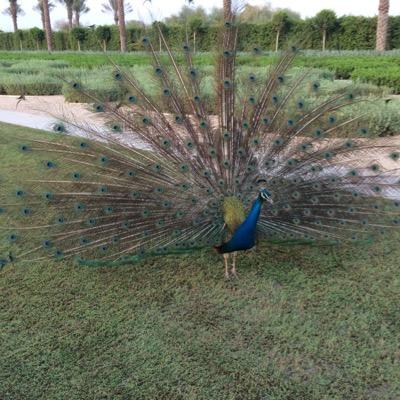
column 299, row 323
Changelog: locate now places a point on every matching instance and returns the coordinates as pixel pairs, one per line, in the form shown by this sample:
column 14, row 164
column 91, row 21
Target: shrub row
column 380, row 71
column 344, row 67
column 350, row 33
column 380, row 76
column 367, row 67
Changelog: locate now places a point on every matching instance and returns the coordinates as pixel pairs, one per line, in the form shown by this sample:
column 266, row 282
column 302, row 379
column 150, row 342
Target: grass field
column 299, row 323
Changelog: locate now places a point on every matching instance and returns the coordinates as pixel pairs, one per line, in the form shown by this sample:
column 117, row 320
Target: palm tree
column 79, row 7
column 325, row 21
column 47, row 24
column 69, row 5
column 281, row 24
column 111, row 6
column 39, row 8
column 14, row 9
column 383, row 25
column 38, row 35
column 121, row 21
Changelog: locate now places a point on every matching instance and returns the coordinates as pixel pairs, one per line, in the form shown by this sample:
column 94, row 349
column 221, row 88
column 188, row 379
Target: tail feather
column 101, row 197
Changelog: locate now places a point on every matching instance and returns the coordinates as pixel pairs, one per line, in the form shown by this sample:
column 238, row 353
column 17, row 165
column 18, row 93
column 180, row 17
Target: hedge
column 350, row 33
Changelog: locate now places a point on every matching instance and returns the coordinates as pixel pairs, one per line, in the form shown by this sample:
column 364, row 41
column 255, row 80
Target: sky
column 164, row 8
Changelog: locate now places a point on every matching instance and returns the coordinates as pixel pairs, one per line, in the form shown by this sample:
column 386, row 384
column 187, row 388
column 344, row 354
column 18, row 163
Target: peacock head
column 265, row 195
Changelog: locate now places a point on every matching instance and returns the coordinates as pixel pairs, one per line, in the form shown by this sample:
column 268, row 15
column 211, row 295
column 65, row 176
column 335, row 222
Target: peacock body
column 268, row 157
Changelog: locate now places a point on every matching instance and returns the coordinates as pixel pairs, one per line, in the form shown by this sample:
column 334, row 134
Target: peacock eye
column 227, row 83
column 203, row 124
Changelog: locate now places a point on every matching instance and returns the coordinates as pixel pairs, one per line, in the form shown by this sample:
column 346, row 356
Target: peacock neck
column 254, row 214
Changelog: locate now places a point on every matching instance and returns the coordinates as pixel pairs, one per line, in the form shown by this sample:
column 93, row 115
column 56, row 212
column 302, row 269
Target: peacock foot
column 233, row 273
column 233, row 270
column 226, row 261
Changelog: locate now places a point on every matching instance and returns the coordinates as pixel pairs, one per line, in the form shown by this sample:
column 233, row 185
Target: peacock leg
column 233, row 270
column 226, row 259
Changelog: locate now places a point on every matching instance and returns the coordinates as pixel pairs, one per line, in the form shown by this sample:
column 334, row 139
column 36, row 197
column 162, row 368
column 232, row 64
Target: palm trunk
column 15, row 23
column 77, row 18
column 104, row 46
column 194, row 42
column 79, row 45
column 70, row 13
column 278, row 33
column 121, row 22
column 383, row 24
column 116, row 19
column 47, row 24
column 14, row 16
column 323, row 40
column 42, row 18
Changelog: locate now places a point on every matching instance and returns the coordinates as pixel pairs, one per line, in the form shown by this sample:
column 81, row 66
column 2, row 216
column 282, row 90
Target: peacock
column 268, row 156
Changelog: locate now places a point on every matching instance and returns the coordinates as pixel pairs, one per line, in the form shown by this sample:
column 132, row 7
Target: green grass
column 300, row 323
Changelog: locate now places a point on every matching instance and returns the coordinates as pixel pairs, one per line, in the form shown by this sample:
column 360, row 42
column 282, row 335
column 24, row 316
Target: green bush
column 343, row 66
column 33, row 85
column 381, row 76
column 99, row 84
column 34, row 67
column 384, row 118
column 375, row 69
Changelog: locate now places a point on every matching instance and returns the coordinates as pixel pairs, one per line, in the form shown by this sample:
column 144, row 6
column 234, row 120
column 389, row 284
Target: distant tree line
column 260, row 26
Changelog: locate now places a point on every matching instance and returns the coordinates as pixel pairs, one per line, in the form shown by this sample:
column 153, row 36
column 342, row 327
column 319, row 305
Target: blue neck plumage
column 244, row 237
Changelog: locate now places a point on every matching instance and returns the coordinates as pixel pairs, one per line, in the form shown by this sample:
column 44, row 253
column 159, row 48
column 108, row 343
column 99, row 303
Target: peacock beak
column 269, row 199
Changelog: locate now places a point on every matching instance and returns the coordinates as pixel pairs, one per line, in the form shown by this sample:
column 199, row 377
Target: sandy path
column 43, row 112
column 53, row 105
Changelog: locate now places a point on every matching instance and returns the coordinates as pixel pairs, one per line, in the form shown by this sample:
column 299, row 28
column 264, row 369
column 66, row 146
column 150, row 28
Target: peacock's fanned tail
column 156, row 180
